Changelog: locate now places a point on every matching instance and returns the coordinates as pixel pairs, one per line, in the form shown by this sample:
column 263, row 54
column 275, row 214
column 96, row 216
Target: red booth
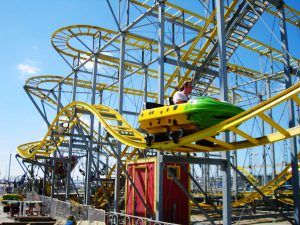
column 175, row 202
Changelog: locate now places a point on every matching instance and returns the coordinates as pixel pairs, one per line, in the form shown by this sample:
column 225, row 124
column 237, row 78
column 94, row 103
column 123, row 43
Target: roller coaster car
column 12, row 197
column 174, row 121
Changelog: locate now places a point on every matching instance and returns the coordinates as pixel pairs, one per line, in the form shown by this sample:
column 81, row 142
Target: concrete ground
column 63, row 222
column 4, row 216
column 201, row 220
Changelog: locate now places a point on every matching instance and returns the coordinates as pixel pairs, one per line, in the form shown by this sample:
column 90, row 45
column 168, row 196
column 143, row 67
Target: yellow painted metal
column 199, row 148
column 274, row 124
column 219, row 142
column 270, row 138
column 34, row 84
column 161, row 119
column 106, row 191
column 130, row 136
column 194, row 52
column 192, row 55
column 106, row 116
column 187, row 53
column 236, row 121
column 62, row 37
column 288, row 201
column 296, row 99
column 112, row 121
column 244, row 135
column 189, row 15
column 269, row 188
column 264, row 49
column 53, row 140
column 250, row 177
column 292, row 15
column 115, row 124
column 205, row 47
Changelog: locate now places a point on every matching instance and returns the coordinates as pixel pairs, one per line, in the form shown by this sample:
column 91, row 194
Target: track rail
column 119, row 128
column 269, row 188
column 34, row 86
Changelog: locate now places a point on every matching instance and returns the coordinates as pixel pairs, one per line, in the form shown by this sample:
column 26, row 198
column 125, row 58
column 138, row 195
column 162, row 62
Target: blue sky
column 26, row 51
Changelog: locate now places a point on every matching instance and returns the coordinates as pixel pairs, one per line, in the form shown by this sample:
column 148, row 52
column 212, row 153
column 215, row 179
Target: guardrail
column 113, row 218
column 60, row 210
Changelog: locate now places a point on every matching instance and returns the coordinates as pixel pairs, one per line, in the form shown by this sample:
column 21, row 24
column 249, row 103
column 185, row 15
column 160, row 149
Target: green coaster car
column 162, row 123
column 12, row 197
column 206, row 111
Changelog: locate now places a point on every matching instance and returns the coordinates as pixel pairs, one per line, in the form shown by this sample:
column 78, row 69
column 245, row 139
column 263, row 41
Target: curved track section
column 110, row 119
column 119, row 128
column 69, row 41
column 249, row 176
column 56, row 136
column 34, row 86
column 269, row 188
column 232, row 124
column 50, row 142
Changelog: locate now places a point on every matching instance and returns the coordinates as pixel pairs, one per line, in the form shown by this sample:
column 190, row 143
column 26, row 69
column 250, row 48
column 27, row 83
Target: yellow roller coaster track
column 269, row 188
column 250, row 177
column 194, row 19
column 203, row 50
column 34, row 84
column 119, row 128
column 62, row 39
column 55, row 137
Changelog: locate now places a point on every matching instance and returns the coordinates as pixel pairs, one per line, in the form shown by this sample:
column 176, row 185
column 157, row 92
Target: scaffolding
column 91, row 113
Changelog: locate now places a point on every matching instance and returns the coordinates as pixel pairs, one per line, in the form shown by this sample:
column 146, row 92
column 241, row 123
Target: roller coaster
column 92, row 112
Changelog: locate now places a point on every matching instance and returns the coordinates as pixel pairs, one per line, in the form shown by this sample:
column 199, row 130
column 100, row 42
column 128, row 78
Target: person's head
column 187, row 87
column 71, row 217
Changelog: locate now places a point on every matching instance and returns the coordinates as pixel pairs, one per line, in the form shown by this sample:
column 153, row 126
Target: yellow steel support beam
column 292, row 15
column 274, row 124
column 244, row 135
column 135, row 139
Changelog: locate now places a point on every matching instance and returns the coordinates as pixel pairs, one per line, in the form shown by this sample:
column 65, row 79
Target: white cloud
column 89, row 65
column 28, row 69
column 107, row 53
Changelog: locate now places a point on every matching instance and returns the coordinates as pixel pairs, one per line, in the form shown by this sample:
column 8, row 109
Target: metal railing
column 113, row 218
column 61, row 210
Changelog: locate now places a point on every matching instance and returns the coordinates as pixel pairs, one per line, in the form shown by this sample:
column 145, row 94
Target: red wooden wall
column 175, row 202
